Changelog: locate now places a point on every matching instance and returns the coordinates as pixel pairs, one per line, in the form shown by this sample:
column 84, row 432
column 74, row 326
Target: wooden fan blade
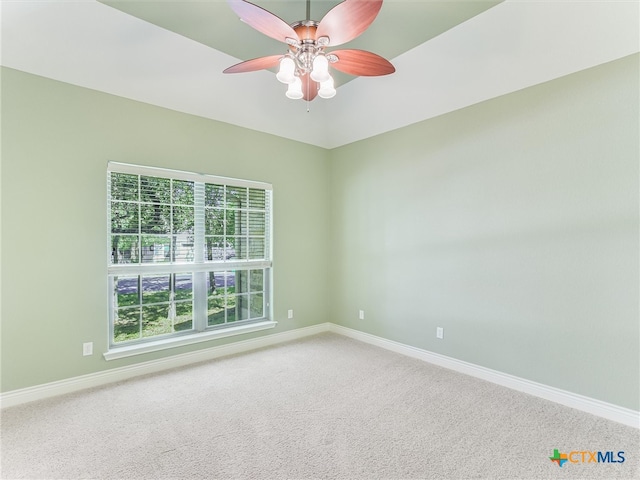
column 255, row 64
column 263, row 20
column 347, row 20
column 361, row 63
column 309, row 87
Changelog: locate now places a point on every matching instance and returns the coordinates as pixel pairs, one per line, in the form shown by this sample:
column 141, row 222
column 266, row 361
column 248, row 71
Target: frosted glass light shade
column 327, row 89
column 320, row 72
column 294, row 91
column 287, row 70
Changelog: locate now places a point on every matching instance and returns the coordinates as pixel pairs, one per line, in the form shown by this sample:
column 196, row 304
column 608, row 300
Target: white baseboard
column 38, row 392
column 596, row 407
column 606, row 410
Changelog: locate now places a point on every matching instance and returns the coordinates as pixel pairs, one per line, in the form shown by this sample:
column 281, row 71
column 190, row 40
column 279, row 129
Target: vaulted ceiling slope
column 447, row 54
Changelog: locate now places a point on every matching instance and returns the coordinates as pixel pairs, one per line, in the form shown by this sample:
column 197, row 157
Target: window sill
column 139, row 349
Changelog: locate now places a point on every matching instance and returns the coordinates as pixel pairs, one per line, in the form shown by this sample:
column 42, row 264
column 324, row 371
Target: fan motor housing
column 306, row 30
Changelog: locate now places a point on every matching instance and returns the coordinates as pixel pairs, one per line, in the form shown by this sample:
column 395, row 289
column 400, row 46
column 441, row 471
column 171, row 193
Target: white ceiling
column 399, row 26
column 511, row 46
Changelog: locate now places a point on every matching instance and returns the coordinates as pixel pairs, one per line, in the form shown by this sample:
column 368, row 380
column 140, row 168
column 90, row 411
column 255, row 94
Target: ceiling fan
column 305, row 66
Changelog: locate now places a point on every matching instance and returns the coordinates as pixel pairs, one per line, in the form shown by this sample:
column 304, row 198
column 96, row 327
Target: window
column 189, row 254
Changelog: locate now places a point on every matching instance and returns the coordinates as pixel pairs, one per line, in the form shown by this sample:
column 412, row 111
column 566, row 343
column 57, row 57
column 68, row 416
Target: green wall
column 512, row 224
column 56, row 142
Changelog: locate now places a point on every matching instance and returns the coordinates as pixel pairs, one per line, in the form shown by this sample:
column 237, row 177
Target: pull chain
column 308, row 87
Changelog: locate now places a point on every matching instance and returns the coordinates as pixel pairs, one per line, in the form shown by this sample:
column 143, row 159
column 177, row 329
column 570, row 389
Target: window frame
column 199, row 266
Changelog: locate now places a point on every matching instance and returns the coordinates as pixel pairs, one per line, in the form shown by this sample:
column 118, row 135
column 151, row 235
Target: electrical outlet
column 439, row 332
column 87, row 349
column 361, row 314
column 290, row 314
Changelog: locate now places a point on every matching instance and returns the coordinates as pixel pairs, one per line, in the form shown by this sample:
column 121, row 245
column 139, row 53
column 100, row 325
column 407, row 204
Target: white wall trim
column 61, row 387
column 602, row 409
column 606, row 410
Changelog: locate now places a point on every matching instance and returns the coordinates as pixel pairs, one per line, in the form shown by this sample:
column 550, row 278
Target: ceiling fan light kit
column 305, row 66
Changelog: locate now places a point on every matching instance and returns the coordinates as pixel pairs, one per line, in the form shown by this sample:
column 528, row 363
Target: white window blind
column 188, row 252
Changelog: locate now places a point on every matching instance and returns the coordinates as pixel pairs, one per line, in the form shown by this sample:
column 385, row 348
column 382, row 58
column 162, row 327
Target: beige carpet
column 320, row 408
